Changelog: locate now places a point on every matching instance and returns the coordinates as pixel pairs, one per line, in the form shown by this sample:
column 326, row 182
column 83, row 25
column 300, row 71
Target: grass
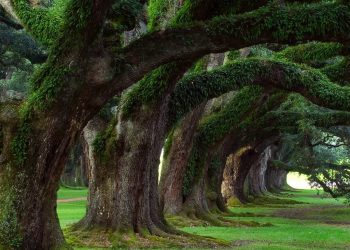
column 71, row 212
column 69, row 193
column 316, row 223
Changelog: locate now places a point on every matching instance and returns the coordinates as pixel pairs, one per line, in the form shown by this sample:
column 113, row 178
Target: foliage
column 195, row 88
column 321, row 155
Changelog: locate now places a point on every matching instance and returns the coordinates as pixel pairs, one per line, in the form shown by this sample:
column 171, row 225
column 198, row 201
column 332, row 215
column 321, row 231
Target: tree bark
column 236, row 172
column 98, row 174
column 256, row 177
column 174, row 165
column 30, row 191
column 276, row 179
column 196, row 204
column 130, row 178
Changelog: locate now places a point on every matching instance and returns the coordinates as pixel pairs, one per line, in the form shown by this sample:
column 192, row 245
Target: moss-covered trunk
column 127, row 177
column 123, row 188
column 28, row 217
column 177, row 152
column 99, row 205
column 203, row 200
column 236, row 172
column 196, row 204
column 139, row 147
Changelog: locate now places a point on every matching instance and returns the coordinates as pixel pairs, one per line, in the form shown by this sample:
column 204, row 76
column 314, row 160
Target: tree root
column 99, row 238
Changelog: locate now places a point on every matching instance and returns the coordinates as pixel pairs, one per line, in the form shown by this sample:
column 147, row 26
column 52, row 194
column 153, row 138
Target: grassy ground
column 318, row 223
column 70, row 212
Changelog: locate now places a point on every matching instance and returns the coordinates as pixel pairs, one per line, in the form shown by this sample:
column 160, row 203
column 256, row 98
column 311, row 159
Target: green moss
column 271, row 200
column 215, row 127
column 310, row 53
column 156, row 12
column 212, row 129
column 50, row 79
column 148, row 90
column 10, row 231
column 295, row 21
column 194, row 165
column 338, row 71
column 168, row 143
column 151, row 88
column 233, row 202
column 10, row 237
column 44, row 24
column 105, row 142
column 195, row 88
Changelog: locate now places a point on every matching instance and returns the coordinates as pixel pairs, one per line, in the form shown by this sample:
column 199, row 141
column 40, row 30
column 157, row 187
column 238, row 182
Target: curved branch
column 21, row 43
column 309, row 82
column 295, row 23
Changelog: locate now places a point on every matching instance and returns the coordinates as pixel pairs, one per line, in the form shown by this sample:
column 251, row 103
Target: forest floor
column 315, row 222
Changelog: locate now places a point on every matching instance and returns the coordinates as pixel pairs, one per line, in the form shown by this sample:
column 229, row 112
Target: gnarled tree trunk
column 236, row 172
column 175, row 162
column 130, row 175
column 256, row 177
column 30, row 188
column 276, row 179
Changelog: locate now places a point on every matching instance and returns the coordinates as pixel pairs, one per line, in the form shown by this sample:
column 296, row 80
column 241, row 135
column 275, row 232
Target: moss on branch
column 196, row 88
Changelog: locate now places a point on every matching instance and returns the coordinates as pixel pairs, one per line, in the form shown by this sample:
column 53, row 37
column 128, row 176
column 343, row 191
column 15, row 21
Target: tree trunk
column 28, row 214
column 175, row 162
column 196, row 203
column 129, row 179
column 276, row 179
column 236, row 172
column 98, row 199
column 256, row 178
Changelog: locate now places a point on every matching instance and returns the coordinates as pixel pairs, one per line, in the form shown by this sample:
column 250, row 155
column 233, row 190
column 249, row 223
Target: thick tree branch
column 323, row 22
column 21, row 43
column 309, row 82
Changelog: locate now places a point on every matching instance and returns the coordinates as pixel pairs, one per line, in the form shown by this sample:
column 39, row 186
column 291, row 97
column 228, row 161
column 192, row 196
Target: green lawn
column 68, row 193
column 70, row 212
column 321, row 223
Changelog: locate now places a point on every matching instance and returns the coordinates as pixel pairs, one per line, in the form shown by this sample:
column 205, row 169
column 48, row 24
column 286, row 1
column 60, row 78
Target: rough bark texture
column 196, row 203
column 126, row 195
column 235, row 173
column 276, row 179
column 140, row 139
column 30, row 177
column 256, row 177
column 55, row 124
column 131, row 172
column 175, row 162
column 171, row 184
column 205, row 199
column 97, row 198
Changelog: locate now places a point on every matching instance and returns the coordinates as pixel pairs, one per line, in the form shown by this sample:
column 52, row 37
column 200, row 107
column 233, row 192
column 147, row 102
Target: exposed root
column 210, row 219
column 106, row 238
column 272, row 201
